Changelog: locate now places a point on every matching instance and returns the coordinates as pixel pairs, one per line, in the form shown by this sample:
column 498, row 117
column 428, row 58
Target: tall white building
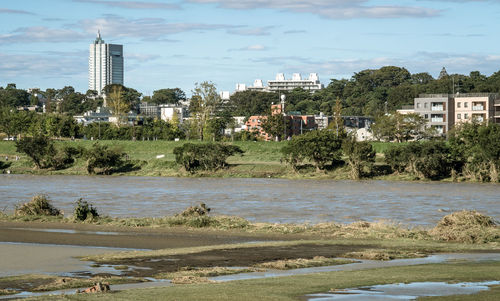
column 105, row 64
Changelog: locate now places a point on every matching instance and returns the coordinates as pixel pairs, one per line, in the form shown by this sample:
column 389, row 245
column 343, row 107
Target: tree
column 168, row 96
column 204, row 104
column 103, row 158
column 321, row 147
column 248, row 103
column 359, row 155
column 208, row 156
column 399, row 127
column 39, row 149
column 116, row 101
column 275, row 125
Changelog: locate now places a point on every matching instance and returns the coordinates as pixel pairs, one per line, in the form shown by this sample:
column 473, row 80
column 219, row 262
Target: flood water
column 262, row 200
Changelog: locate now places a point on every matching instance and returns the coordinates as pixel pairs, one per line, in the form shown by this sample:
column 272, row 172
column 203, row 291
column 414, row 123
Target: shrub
column 359, row 155
column 101, row 157
column 428, row 159
column 39, row 148
column 199, row 210
column 466, row 226
column 210, row 156
column 321, row 147
column 39, row 205
column 84, row 210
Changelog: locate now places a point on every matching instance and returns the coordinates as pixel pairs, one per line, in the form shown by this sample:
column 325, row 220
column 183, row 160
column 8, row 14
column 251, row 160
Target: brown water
column 264, row 200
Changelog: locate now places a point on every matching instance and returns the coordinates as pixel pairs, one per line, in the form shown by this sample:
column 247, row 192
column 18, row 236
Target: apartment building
column 479, row 107
column 437, row 109
column 105, row 64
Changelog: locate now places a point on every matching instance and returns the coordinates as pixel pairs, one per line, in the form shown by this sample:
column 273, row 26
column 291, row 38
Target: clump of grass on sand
column 191, row 280
column 299, row 263
column 68, row 282
column 383, row 254
column 186, row 273
column 38, row 205
column 467, row 227
column 4, row 292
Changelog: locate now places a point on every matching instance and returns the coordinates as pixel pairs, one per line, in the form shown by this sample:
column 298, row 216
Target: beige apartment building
column 479, row 107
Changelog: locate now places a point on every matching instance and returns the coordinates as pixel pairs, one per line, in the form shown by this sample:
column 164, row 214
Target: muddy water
column 263, row 200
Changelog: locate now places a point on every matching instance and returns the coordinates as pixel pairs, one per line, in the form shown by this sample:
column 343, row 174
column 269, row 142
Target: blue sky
column 177, row 43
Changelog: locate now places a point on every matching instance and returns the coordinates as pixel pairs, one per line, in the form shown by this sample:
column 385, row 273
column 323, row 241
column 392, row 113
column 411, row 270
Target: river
column 258, row 200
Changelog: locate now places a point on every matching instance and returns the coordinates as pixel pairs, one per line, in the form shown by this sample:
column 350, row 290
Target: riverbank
column 192, row 254
column 156, row 158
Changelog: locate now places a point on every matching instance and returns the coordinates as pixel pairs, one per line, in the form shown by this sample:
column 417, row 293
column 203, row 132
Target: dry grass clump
column 191, row 280
column 381, row 254
column 199, row 210
column 39, row 205
column 4, row 292
column 69, row 282
column 203, row 272
column 467, row 227
column 299, row 263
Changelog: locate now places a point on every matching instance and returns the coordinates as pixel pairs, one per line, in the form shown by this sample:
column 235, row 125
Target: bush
column 466, row 226
column 39, row 205
column 45, row 155
column 210, row 156
column 101, row 157
column 84, row 210
column 199, row 210
column 321, row 147
column 428, row 159
column 359, row 155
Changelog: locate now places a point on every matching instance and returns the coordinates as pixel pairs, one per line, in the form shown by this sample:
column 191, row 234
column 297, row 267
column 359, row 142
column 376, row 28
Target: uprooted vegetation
column 38, row 205
column 289, row 264
column 466, row 226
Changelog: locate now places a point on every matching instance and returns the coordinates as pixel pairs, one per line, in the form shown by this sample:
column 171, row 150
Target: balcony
column 478, row 108
column 437, row 108
column 437, row 119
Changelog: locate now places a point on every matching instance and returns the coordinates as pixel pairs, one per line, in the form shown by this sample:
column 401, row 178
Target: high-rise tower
column 105, row 64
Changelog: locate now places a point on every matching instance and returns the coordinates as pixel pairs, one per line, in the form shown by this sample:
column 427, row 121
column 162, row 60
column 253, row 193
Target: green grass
column 295, row 287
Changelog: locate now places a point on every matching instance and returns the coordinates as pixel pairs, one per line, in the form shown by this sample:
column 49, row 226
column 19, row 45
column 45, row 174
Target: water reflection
column 264, row 200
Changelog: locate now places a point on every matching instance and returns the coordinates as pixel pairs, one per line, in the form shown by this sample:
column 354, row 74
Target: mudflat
column 123, row 237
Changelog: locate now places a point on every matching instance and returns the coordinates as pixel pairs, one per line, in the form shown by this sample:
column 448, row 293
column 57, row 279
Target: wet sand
column 121, row 237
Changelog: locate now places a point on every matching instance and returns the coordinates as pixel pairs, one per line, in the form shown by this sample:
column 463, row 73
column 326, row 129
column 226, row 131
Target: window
column 426, row 116
column 425, row 105
column 466, row 104
column 466, row 116
column 418, row 105
column 459, row 104
column 459, row 116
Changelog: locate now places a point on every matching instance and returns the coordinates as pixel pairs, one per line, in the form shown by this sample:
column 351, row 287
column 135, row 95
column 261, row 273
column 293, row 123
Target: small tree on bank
column 208, row 156
column 321, row 148
column 359, row 155
column 103, row 158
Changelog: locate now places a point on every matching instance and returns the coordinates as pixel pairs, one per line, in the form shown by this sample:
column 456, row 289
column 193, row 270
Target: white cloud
column 133, row 4
column 332, row 9
column 257, row 31
column 38, row 34
column 15, row 11
column 256, row 47
column 144, row 28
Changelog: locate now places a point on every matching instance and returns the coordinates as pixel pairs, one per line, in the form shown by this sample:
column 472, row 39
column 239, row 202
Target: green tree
column 168, row 96
column 359, row 155
column 321, row 147
column 399, row 127
column 102, row 158
column 249, row 103
column 204, row 105
column 207, row 156
column 118, row 104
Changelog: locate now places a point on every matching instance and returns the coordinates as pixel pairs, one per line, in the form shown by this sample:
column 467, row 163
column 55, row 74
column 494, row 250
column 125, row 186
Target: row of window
column 459, row 116
column 459, row 105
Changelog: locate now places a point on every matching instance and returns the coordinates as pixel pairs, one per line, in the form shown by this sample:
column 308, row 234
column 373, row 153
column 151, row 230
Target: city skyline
column 178, row 43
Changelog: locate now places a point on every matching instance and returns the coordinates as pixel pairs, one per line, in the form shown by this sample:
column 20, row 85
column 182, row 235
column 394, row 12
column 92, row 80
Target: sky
column 178, row 43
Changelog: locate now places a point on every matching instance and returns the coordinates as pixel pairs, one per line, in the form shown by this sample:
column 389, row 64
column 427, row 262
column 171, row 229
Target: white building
column 105, row 64
column 282, row 84
column 311, row 84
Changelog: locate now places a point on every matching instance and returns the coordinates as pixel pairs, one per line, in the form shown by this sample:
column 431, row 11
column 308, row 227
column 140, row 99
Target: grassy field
column 261, row 159
column 295, row 287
